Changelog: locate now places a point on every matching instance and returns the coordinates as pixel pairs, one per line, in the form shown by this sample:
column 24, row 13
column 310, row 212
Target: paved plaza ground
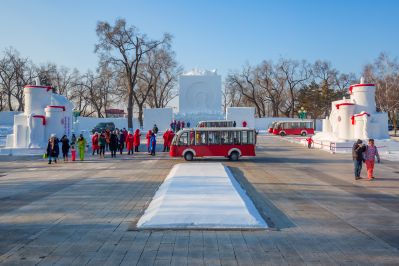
column 84, row 212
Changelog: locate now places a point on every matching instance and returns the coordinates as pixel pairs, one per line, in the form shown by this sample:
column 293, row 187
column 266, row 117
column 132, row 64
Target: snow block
column 201, row 195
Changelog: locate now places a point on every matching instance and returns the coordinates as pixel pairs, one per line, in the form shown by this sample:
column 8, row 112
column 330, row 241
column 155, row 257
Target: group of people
column 362, row 153
column 177, row 125
column 115, row 141
column 53, row 147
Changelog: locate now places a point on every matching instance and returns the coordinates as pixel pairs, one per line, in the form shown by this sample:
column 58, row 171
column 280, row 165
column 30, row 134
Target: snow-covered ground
column 201, row 195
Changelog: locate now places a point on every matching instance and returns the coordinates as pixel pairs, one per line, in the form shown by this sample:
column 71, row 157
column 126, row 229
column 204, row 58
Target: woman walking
column 370, row 154
column 65, row 147
column 81, row 142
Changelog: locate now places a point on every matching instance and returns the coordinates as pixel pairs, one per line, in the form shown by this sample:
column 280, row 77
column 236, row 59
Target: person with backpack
column 53, row 149
column 357, row 155
column 65, row 147
column 370, row 154
column 81, row 143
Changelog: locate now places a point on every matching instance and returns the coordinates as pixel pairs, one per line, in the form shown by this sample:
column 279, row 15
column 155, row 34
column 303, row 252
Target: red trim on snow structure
column 42, row 117
column 57, row 106
column 359, row 85
column 343, row 104
column 353, row 117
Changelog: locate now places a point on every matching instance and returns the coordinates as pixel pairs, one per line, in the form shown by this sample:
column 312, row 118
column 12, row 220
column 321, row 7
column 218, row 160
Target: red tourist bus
column 229, row 142
column 300, row 127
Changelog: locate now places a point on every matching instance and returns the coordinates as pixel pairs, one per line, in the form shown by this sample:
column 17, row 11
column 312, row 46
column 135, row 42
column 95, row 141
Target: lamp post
column 302, row 113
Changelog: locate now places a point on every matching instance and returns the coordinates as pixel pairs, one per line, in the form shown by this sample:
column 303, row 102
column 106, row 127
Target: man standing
column 357, row 154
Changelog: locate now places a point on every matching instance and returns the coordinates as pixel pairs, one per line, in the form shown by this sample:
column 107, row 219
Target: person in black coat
column 65, row 147
column 121, row 139
column 53, row 150
column 357, row 155
column 113, row 144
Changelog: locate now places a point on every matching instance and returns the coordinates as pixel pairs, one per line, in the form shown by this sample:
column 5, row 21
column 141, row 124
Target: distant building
column 115, row 113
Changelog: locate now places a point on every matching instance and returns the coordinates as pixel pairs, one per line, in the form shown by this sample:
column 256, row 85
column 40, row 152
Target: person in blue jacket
column 153, row 144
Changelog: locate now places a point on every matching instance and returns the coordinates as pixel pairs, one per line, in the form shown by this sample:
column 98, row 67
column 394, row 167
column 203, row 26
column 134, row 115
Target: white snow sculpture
column 200, row 92
column 200, row 96
column 45, row 113
column 356, row 117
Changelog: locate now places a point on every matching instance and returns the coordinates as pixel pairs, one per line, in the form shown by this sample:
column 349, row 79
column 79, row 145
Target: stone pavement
column 79, row 213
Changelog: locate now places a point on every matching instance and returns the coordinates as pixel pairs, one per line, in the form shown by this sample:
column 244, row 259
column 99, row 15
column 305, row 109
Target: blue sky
column 217, row 34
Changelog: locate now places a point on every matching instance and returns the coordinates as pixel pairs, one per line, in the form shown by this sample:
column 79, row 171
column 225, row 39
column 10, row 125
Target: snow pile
column 201, row 195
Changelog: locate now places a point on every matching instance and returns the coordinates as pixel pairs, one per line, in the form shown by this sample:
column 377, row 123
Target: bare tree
column 384, row 72
column 164, row 68
column 294, row 73
column 245, row 82
column 7, row 76
column 125, row 46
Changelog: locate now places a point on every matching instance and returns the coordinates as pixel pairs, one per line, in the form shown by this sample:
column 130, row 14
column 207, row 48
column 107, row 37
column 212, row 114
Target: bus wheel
column 282, row 134
column 234, row 156
column 188, row 156
column 303, row 134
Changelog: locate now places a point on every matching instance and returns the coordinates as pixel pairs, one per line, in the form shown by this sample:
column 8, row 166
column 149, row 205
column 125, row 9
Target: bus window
column 213, row 137
column 183, row 139
column 236, row 137
column 226, row 137
column 244, row 137
column 192, row 134
column 200, row 138
column 251, row 137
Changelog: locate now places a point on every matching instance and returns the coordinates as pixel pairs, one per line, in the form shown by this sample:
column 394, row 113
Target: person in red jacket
column 129, row 143
column 244, row 124
column 94, row 143
column 165, row 140
column 148, row 137
column 136, row 140
column 170, row 138
column 310, row 141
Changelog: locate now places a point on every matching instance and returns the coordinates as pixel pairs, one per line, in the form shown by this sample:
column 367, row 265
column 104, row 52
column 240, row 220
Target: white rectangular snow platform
column 201, row 196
